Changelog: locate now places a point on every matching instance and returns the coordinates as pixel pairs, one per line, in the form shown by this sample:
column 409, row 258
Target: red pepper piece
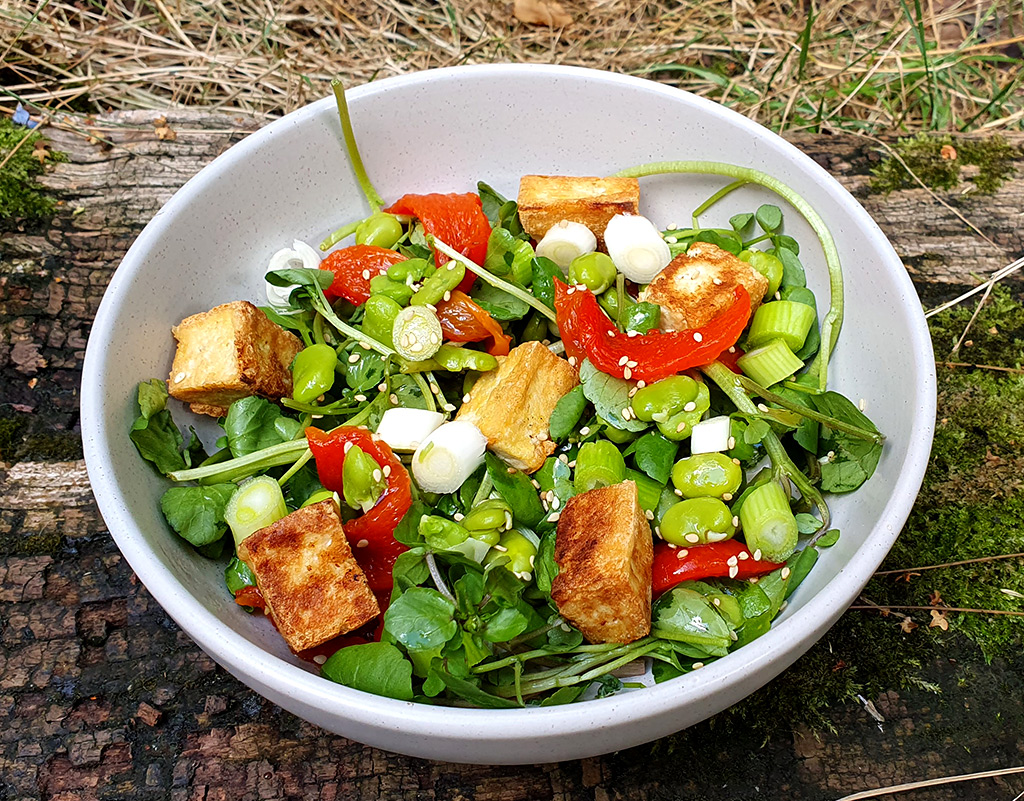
column 250, row 595
column 457, row 220
column 462, row 320
column 588, row 333
column 704, row 561
column 353, row 267
column 377, row 526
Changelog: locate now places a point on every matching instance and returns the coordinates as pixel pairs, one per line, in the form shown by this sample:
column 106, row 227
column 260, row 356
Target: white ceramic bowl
column 443, row 131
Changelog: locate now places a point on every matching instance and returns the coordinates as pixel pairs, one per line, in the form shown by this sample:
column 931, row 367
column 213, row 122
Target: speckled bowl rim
column 506, row 736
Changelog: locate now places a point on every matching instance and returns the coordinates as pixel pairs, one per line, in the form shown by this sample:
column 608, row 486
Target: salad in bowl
column 484, row 451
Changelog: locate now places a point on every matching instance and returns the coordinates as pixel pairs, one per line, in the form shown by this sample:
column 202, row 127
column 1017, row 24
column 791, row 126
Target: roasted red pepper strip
column 353, row 267
column 457, row 220
column 250, row 596
column 462, row 320
column 377, row 526
column 704, row 561
column 588, row 333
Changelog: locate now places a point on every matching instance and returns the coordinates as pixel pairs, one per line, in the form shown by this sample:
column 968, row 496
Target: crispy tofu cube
column 309, row 578
column 545, row 200
column 698, row 285
column 230, row 352
column 512, row 404
column 604, row 551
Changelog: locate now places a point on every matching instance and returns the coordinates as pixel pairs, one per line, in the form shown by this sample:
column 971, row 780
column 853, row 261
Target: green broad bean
column 362, row 479
column 658, row 401
column 707, row 475
column 727, row 605
column 680, row 425
column 414, row 270
column 379, row 314
column 455, row 359
column 609, row 301
column 519, row 549
column 768, row 265
column 596, row 271
column 313, row 372
column 487, row 520
column 381, row 229
column 398, row 291
column 316, row 497
column 697, row 521
column 444, row 280
column 598, row 464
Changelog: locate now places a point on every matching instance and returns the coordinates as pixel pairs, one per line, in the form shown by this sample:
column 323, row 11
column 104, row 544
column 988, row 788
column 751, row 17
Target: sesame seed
column 689, row 407
column 346, row 447
column 465, row 398
column 732, row 561
column 458, row 517
column 632, row 392
column 364, row 345
column 508, row 521
column 362, row 543
column 563, row 458
column 416, row 347
column 447, row 295
column 625, row 413
column 716, row 601
column 632, row 364
column 435, row 339
column 570, row 290
column 673, row 227
column 641, row 384
column 366, row 275
column 393, row 398
column 735, row 461
column 697, row 665
column 778, row 296
column 316, row 416
column 649, row 514
column 572, row 361
column 784, row 573
column 585, row 431
column 555, row 503
column 572, row 463
column 681, row 427
column 435, row 388
column 732, row 443
column 377, row 475
column 671, row 240
column 733, row 635
column 623, row 360
column 744, row 556
column 783, row 605
column 535, row 483
column 631, row 333
column 732, row 349
column 757, row 555
column 553, row 517
column 179, row 378
column 762, row 407
column 863, row 404
column 698, row 336
column 734, row 572
column 735, row 520
column 611, row 332
column 320, row 659
column 382, row 386
column 716, row 281
column 353, row 358
column 500, row 548
column 693, row 539
column 627, row 373
column 387, row 471
column 657, row 531
column 449, row 407
column 678, row 492
column 532, row 560
column 361, row 398
column 726, row 496
column 542, row 436
column 717, row 536
column 510, row 470
column 681, row 553
column 526, row 575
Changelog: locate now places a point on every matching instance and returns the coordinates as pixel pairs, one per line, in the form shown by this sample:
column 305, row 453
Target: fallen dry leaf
column 541, row 12
column 939, row 620
column 908, row 625
column 40, row 152
column 948, row 152
column 934, row 599
column 164, row 133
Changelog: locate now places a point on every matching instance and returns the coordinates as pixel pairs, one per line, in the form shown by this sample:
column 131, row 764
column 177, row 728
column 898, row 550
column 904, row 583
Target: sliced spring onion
column 416, row 333
column 405, row 429
column 711, row 436
column 769, row 363
column 566, row 241
column 637, row 247
column 782, row 319
column 256, row 504
column 769, row 525
column 298, row 256
column 448, row 456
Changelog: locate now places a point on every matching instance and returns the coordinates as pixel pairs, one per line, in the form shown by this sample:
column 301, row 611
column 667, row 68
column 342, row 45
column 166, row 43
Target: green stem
column 756, row 239
column 834, row 318
column 483, row 491
column 295, row 468
column 242, row 466
column 492, row 279
column 711, row 201
column 782, row 465
column 342, row 233
column 424, row 388
column 323, row 306
column 375, row 200
column 812, row 414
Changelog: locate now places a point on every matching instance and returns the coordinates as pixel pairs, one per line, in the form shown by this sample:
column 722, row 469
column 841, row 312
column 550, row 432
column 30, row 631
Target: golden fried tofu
column 512, row 404
column 230, row 352
column 546, row 200
column 604, row 551
column 309, row 578
column 699, row 285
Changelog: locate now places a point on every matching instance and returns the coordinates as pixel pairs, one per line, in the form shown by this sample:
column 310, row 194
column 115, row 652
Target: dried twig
column 902, row 788
column 977, row 561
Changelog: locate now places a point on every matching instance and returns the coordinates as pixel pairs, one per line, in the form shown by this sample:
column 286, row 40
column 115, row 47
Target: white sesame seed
column 863, row 404
column 555, row 503
column 435, row 388
column 716, row 601
column 542, row 436
column 346, row 447
column 732, row 561
column 726, row 496
column 508, row 521
column 784, row 573
column 783, row 605
column 732, row 349
column 698, row 336
column 500, row 548
column 732, row 443
column 572, row 463
column 697, row 665
column 657, row 532
column 681, row 427
column 366, row 275
column 353, row 358
column 757, row 555
column 641, row 384
column 627, row 373
column 632, row 364
column 678, row 492
column 360, row 398
column 735, row 520
column 362, row 543
column 179, row 378
column 733, row 635
column 611, row 332
column 623, row 360
column 716, row 281
column 553, row 517
column 320, row 659
column 693, row 539
column 778, row 296
column 416, row 347
column 316, row 416
column 585, row 431
column 681, row 553
column 532, row 560
column 449, row 407
column 563, row 458
column 762, row 407
column 447, row 295
column 377, row 475
column 458, row 517
column 631, row 393
column 671, row 240
column 526, row 575
column 465, row 398
column 387, row 471
column 393, row 398
column 572, row 361
column 735, row 461
column 689, row 407
column 648, row 514
column 382, row 387
column 631, row 333
column 734, row 572
column 744, row 556
column 570, row 290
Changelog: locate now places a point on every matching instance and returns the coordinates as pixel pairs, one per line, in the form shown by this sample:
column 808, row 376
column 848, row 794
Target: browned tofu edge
column 546, row 200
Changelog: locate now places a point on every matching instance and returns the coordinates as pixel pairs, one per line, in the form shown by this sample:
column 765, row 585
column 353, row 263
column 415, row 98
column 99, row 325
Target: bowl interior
column 444, row 131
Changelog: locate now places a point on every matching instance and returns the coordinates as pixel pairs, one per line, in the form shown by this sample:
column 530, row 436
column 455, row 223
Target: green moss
column 995, row 338
column 30, row 543
column 923, row 155
column 20, row 195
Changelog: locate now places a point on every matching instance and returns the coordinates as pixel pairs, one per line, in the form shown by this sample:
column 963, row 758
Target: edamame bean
column 381, row 229
column 697, row 521
column 313, row 372
column 680, row 425
column 660, row 400
column 444, row 279
column 536, row 328
column 596, row 271
column 411, row 269
column 455, row 359
column 316, row 497
column 520, row 551
column 768, row 265
column 398, row 291
column 487, row 520
column 379, row 316
column 362, row 479
column 707, row 475
column 609, row 301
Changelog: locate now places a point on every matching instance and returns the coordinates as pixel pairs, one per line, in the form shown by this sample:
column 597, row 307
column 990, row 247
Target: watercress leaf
column 567, row 413
column 158, row 440
column 293, row 322
column 663, row 671
column 500, row 304
column 847, row 461
column 792, row 270
column 609, row 685
column 769, row 217
column 544, row 273
column 564, row 695
column 508, row 218
column 728, row 241
column 756, row 431
column 517, row 490
column 420, row 619
column 741, row 222
column 491, row 200
column 686, row 616
column 409, row 395
column 238, row 575
column 469, row 592
column 193, row 453
column 806, row 432
column 407, row 531
column 563, row 635
column 152, row 397
column 610, row 395
column 475, row 648
column 655, row 455
column 251, row 425
column 366, row 373
column 806, row 523
column 432, row 685
column 504, row 624
column 301, row 277
column 197, row 513
column 800, row 565
column 468, row 691
column 545, row 568
column 503, row 587
column 642, row 317
column 373, row 667
column 787, row 242
column 828, row 539
column 410, row 569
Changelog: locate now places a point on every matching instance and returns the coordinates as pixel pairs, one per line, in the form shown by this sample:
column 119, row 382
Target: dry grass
column 866, row 65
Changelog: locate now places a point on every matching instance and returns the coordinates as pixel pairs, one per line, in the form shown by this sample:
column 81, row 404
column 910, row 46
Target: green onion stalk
column 834, row 318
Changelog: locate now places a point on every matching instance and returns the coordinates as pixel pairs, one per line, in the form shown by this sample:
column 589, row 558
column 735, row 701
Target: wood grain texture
column 102, row 697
